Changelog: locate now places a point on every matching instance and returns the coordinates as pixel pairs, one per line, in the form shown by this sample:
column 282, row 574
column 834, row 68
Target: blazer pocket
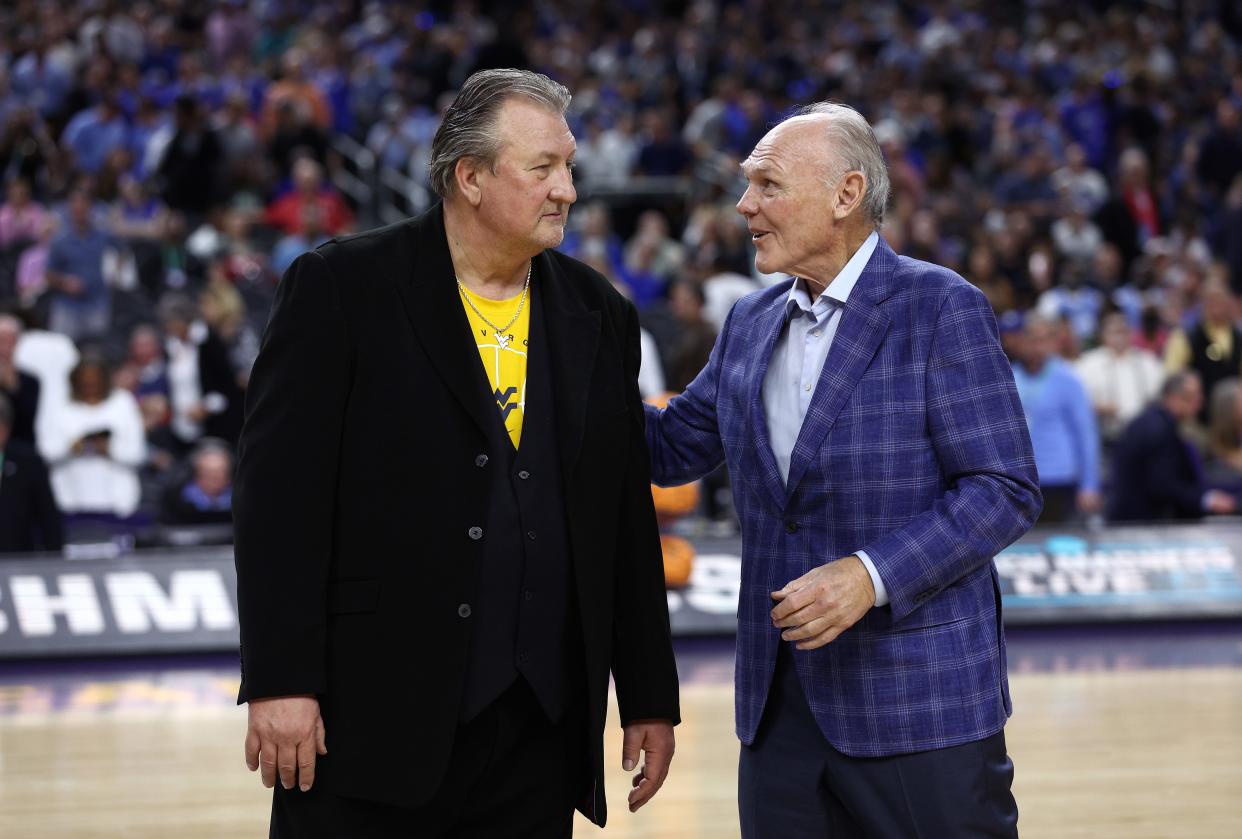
column 347, row 597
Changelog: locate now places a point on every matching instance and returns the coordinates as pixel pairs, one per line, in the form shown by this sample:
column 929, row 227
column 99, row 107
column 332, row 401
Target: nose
column 746, row 204
column 563, row 191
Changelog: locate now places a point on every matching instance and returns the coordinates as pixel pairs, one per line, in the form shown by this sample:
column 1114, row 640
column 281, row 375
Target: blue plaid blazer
column 914, row 449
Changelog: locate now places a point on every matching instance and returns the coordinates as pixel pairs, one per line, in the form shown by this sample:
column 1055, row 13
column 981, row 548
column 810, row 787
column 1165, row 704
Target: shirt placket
column 812, row 335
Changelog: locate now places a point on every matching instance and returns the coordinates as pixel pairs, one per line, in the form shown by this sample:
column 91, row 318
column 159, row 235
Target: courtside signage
column 161, row 603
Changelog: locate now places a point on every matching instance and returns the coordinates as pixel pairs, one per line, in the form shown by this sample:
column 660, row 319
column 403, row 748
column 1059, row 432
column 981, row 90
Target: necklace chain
column 521, row 304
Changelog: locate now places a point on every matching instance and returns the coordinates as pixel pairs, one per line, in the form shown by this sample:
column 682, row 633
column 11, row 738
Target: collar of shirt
column 837, row 292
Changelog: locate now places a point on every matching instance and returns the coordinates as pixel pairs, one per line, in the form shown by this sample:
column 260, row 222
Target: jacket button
column 530, row 534
column 463, row 611
column 476, row 533
column 524, row 475
column 791, row 526
column 523, row 658
column 480, row 461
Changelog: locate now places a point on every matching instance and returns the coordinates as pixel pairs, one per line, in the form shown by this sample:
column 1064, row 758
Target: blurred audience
column 311, row 199
column 94, row 444
column 1119, row 377
column 29, row 517
column 1062, row 425
column 1212, row 346
column 207, row 497
column 81, row 299
column 1158, row 473
column 20, row 388
column 203, row 391
column 1224, row 461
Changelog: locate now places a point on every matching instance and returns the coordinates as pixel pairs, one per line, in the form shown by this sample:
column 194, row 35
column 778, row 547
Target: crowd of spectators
column 164, row 161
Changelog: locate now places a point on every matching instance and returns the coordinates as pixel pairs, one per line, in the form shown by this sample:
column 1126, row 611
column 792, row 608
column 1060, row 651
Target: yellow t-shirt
column 504, row 358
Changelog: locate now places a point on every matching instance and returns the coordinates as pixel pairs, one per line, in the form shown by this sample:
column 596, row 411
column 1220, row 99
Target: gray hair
column 209, row 446
column 469, row 126
column 852, row 140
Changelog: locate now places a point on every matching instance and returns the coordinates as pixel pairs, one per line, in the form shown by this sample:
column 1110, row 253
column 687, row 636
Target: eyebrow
column 549, row 156
column 762, row 168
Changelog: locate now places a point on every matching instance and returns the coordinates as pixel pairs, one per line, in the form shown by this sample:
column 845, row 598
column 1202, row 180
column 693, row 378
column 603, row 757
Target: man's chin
column 549, row 238
column 765, row 266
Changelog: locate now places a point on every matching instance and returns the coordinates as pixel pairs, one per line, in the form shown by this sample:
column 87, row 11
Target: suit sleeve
column 980, row 437
column 643, row 666
column 51, row 523
column 684, row 438
column 284, row 491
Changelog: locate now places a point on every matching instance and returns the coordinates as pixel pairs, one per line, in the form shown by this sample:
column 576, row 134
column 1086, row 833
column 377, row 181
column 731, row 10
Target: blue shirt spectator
column 1062, row 425
column 75, row 274
column 93, row 133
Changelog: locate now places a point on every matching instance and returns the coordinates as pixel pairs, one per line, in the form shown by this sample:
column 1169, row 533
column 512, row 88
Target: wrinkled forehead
column 528, row 128
column 797, row 145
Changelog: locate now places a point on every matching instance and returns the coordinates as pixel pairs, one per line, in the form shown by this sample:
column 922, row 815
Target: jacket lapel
column 768, row 328
column 573, row 333
column 860, row 333
column 433, row 305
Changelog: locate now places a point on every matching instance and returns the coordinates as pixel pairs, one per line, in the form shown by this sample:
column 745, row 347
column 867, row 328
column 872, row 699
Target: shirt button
column 524, row 475
column 480, row 461
column 463, row 611
column 807, row 387
column 791, row 526
column 530, row 534
column 815, row 333
column 476, row 533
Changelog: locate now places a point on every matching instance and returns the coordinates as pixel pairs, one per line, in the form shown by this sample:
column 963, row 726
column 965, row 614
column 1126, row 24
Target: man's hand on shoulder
column 283, row 735
column 655, row 739
column 821, row 604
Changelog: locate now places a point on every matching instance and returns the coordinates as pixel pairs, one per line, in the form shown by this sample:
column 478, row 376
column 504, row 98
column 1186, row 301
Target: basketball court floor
column 1133, row 732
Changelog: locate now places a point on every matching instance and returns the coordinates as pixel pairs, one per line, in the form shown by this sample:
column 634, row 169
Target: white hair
column 854, row 147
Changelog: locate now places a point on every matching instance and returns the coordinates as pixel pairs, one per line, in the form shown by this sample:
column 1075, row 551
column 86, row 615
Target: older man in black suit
column 445, row 534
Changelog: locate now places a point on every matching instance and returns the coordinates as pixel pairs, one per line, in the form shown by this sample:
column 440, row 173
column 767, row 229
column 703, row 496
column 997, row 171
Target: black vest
column 1211, row 364
column 525, row 614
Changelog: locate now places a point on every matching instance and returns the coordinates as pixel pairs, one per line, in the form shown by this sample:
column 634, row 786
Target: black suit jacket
column 361, row 477
column 25, row 402
column 29, row 517
column 1154, row 475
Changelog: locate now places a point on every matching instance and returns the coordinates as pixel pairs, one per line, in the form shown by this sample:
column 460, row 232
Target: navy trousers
column 792, row 784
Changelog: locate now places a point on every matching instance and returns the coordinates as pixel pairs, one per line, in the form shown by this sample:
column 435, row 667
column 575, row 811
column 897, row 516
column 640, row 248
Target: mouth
column 756, row 235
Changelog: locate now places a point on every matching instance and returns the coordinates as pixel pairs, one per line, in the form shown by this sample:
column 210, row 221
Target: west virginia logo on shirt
column 504, row 357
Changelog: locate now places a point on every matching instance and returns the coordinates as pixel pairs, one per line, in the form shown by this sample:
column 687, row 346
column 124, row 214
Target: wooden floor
column 1130, row 755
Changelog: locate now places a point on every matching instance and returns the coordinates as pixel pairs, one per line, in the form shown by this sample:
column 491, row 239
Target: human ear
column 466, row 177
column 850, row 191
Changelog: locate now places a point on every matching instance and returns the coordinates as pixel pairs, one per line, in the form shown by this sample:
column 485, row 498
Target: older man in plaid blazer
column 880, row 459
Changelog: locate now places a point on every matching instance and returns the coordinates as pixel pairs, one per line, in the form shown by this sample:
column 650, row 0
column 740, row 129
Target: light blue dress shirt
column 797, row 361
